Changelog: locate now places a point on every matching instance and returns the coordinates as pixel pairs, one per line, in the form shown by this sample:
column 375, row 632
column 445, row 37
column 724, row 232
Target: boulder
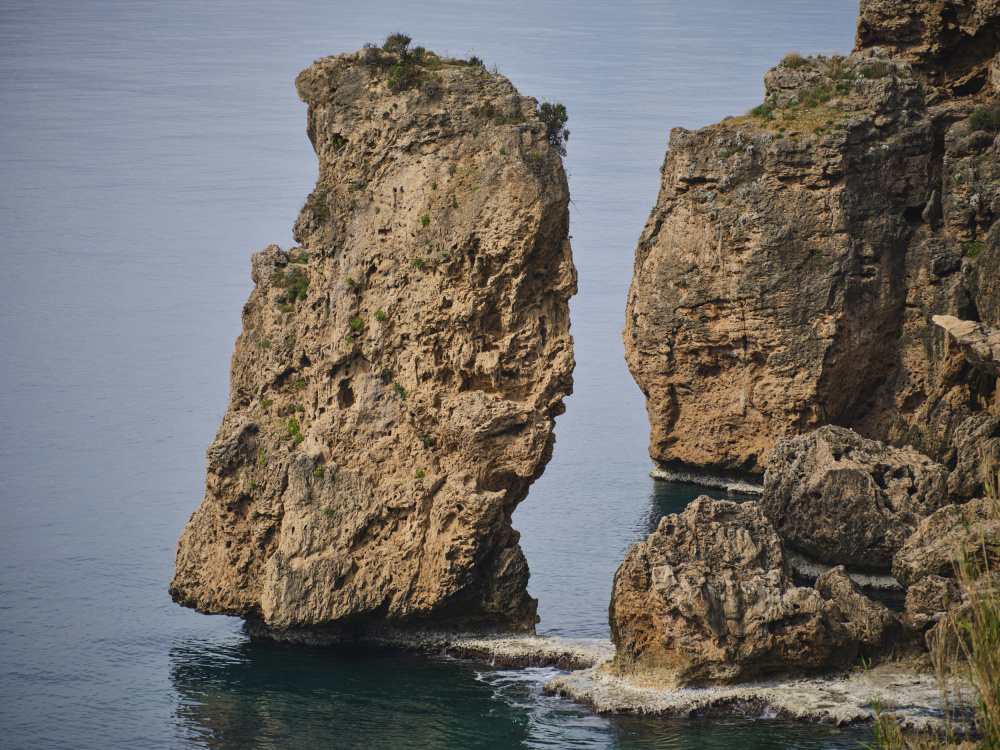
column 709, row 598
column 845, row 500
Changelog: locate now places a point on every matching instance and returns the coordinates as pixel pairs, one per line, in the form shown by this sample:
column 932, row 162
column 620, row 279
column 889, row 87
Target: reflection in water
column 264, row 695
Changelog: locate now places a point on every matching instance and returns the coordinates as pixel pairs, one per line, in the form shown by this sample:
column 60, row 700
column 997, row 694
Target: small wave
column 730, row 484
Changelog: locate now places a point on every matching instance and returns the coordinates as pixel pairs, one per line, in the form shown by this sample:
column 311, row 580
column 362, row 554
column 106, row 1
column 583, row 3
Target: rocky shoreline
column 841, row 699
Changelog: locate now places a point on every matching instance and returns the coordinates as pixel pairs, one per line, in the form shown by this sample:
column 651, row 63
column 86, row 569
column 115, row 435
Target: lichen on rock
column 394, row 390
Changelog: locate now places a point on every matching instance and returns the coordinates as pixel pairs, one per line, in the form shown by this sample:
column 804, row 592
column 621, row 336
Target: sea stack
column 394, row 390
column 790, row 270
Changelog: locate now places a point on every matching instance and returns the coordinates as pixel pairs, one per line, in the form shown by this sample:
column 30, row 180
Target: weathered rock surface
column 936, row 546
column 709, row 598
column 845, row 500
column 953, row 44
column 394, row 390
column 789, row 271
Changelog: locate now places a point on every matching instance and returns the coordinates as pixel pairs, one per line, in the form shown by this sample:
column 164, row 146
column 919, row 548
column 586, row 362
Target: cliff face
column 789, row 271
column 394, row 390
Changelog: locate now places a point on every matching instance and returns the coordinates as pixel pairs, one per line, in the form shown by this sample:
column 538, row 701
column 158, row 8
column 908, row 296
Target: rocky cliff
column 790, row 269
column 394, row 390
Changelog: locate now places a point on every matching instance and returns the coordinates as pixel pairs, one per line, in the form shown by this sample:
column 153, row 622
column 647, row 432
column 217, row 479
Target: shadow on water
column 674, row 497
column 266, row 695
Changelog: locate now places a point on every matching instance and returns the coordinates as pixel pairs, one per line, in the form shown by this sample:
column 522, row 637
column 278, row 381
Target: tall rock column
column 790, row 269
column 394, row 390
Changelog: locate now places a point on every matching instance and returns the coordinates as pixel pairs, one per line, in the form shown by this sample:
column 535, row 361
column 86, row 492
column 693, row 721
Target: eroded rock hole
column 345, row 395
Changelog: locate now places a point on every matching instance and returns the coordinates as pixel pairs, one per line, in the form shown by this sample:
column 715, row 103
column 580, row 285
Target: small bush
column 454, row 202
column 349, row 281
column 420, row 474
column 983, row 119
column 434, row 186
column 972, row 249
column 292, row 426
column 253, row 484
column 266, row 403
column 380, row 316
column 428, row 440
column 304, row 258
column 503, row 152
column 425, row 220
column 350, row 339
column 301, row 384
column 478, row 62
column 452, row 169
column 290, row 342
column 397, row 42
column 318, row 206
column 328, row 512
column 287, row 308
column 793, row 60
column 264, row 344
column 357, row 323
column 765, row 111
column 554, row 117
column 386, row 375
column 320, row 471
column 295, row 282
column 400, row 390
column 418, row 262
column 878, row 69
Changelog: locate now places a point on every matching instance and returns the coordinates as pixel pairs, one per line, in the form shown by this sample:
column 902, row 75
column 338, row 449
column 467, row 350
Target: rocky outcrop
column 980, row 345
column 789, row 271
column 952, row 44
column 845, row 500
column 709, row 598
column 394, row 390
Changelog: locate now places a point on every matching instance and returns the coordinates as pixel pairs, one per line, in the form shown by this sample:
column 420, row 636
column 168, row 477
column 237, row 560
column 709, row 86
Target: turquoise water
column 147, row 149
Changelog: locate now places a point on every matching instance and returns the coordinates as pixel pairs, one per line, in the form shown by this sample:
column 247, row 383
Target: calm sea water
column 146, row 150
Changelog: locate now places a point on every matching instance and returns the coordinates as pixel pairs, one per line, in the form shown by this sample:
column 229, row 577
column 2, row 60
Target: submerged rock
column 844, row 500
column 394, row 390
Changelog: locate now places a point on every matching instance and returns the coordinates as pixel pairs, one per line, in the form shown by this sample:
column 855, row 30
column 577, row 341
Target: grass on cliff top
column 404, row 68
column 809, row 111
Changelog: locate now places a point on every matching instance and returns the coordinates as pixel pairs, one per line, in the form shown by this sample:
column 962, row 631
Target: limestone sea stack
column 394, row 390
column 790, row 270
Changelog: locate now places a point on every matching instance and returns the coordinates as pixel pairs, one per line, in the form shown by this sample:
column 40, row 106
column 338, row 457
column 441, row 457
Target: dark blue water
column 146, row 150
